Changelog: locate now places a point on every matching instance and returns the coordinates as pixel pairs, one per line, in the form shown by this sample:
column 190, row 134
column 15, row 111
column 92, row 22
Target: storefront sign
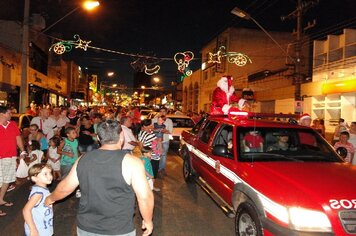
column 345, row 86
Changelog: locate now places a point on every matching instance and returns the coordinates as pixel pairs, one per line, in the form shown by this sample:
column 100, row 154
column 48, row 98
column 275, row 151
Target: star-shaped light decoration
column 67, row 45
column 236, row 58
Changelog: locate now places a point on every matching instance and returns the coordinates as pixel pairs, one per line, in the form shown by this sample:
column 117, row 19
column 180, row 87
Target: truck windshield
column 276, row 144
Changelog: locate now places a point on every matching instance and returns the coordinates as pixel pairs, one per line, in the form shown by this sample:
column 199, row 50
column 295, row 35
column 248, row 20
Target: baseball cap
column 304, row 116
column 74, row 108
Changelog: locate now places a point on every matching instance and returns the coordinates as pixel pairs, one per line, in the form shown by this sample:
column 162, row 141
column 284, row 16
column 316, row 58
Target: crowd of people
column 75, row 145
column 344, row 135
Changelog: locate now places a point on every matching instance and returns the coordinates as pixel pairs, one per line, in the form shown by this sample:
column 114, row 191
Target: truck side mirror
column 342, row 152
column 221, row 150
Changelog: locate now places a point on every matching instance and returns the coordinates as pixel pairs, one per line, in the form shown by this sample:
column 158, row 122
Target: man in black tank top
column 109, row 179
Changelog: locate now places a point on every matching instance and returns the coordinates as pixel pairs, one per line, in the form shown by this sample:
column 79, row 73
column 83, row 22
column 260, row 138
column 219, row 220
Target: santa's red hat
column 304, row 116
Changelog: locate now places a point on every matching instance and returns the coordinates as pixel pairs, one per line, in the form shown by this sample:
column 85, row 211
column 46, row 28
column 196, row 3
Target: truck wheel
column 246, row 221
column 187, row 170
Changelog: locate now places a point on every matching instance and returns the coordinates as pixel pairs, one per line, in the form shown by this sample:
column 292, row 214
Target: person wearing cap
column 305, row 120
column 281, row 144
column 304, row 137
column 247, row 96
column 223, row 96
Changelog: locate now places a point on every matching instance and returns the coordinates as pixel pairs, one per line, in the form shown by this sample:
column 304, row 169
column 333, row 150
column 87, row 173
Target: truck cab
column 275, row 178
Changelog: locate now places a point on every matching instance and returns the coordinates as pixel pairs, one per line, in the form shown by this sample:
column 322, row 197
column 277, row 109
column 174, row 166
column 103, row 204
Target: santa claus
column 223, row 96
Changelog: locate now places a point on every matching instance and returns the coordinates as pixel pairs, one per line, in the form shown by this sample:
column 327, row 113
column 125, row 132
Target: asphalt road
column 180, row 209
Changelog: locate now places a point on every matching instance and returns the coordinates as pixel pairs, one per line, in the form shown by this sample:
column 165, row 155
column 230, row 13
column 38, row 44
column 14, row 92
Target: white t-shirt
column 47, row 126
column 39, row 155
column 128, row 135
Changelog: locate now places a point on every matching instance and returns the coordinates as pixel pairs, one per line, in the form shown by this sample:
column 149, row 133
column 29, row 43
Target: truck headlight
column 298, row 218
column 309, row 220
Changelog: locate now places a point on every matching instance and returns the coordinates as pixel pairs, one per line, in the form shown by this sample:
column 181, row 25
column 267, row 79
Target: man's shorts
column 7, row 170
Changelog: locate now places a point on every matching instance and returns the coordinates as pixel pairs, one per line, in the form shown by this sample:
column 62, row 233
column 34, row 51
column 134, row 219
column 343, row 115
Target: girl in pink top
column 343, row 142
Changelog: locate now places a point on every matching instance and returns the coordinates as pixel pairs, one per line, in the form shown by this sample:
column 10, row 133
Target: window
column 283, row 144
column 224, row 138
column 182, row 122
column 197, row 126
column 207, row 131
column 224, row 135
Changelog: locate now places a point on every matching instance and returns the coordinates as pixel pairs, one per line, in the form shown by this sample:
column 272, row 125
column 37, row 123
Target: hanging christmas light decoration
column 182, row 59
column 236, row 58
column 152, row 71
column 216, row 57
column 67, row 45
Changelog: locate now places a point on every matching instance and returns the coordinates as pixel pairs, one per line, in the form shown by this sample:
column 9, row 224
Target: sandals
column 2, row 213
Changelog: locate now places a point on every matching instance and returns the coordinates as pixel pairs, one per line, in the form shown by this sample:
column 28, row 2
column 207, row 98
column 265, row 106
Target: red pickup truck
column 274, row 178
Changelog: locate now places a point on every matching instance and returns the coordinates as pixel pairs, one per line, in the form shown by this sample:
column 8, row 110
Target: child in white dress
column 53, row 157
column 35, row 153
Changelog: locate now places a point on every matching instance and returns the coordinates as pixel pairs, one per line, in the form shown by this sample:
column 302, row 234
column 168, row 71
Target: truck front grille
column 348, row 221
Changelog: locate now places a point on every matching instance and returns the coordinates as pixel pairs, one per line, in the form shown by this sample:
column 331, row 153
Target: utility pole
column 24, row 58
column 298, row 77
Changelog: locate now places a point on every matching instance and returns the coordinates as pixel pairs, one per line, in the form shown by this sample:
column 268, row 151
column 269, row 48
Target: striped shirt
column 146, row 138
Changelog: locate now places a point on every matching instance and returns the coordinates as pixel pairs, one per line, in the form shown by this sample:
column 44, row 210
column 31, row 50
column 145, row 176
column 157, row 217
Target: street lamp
column 156, row 80
column 87, row 5
column 90, row 4
column 244, row 15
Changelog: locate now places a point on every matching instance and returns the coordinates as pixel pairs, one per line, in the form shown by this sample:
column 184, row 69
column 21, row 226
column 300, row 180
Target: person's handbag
column 22, row 169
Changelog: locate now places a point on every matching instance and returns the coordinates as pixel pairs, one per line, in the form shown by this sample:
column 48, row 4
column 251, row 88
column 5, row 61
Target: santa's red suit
column 223, row 96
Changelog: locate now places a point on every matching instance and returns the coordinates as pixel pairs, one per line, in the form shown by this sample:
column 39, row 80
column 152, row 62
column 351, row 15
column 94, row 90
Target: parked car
column 180, row 123
column 151, row 115
column 22, row 120
column 275, row 178
column 144, row 113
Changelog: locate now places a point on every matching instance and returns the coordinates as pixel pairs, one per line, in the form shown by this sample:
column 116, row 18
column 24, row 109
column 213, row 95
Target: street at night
column 180, row 209
column 258, row 96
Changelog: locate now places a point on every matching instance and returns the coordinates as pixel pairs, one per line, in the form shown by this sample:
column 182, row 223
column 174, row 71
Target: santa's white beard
column 223, row 85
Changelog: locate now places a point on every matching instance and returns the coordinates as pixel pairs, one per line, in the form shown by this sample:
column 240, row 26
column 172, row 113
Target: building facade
column 332, row 94
column 50, row 79
column 267, row 70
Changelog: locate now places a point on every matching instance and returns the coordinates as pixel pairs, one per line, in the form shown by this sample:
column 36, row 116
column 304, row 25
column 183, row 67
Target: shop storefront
column 9, row 95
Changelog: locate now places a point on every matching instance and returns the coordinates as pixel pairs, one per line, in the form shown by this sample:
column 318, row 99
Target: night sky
column 163, row 27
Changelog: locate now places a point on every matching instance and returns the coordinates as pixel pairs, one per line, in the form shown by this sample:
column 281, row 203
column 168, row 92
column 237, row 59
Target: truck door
column 201, row 152
column 225, row 164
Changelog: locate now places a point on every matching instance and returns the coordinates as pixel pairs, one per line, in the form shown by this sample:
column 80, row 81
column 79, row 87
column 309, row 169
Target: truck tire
column 187, row 170
column 246, row 221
